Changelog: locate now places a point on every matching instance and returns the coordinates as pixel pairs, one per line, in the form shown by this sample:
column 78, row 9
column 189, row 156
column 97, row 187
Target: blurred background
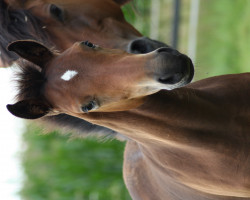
column 38, row 166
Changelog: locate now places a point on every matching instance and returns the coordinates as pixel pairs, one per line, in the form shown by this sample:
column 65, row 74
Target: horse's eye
column 89, row 44
column 90, row 106
column 57, row 12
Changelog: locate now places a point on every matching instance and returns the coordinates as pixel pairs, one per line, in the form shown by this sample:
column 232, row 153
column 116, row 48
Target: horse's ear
column 31, row 51
column 122, row 2
column 29, row 109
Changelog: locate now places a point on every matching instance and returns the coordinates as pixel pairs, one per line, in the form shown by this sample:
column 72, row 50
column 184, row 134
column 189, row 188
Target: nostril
column 171, row 79
column 164, row 50
column 168, row 50
column 138, row 46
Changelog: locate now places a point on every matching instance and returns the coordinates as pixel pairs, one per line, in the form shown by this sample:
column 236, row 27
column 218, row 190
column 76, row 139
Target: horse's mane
column 31, row 80
column 18, row 24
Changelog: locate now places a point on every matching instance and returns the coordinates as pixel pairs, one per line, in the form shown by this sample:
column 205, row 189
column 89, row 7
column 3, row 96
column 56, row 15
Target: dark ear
column 122, row 2
column 29, row 109
column 31, row 51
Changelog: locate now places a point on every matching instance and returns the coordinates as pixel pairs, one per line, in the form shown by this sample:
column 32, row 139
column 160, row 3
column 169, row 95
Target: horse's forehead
column 62, row 82
column 69, row 75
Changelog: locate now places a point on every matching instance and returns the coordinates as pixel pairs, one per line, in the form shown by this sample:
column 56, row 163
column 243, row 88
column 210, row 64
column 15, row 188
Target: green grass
column 61, row 169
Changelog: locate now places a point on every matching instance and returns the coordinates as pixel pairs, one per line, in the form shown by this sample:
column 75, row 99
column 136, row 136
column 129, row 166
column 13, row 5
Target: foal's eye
column 57, row 12
column 90, row 106
column 89, row 44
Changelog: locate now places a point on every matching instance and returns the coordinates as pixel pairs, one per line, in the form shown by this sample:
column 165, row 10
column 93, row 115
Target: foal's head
column 88, row 78
column 68, row 21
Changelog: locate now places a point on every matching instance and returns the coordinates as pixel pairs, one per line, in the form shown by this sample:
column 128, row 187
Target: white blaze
column 69, row 74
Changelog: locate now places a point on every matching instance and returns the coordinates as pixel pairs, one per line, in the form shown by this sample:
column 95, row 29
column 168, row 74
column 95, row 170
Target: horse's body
column 189, row 143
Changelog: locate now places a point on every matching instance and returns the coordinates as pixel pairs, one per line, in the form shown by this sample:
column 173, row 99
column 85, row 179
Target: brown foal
column 187, row 143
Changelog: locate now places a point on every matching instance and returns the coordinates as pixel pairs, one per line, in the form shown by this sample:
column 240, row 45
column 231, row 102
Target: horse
column 184, row 140
column 60, row 23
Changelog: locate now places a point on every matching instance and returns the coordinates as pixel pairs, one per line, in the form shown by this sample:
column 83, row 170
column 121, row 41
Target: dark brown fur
column 30, row 81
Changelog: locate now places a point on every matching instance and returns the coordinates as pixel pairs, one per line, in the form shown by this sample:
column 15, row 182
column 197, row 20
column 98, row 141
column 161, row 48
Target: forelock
column 30, row 81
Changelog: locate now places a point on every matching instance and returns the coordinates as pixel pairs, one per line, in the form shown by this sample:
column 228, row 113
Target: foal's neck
column 202, row 109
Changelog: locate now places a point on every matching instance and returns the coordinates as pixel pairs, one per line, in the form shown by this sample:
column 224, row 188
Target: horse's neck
column 206, row 108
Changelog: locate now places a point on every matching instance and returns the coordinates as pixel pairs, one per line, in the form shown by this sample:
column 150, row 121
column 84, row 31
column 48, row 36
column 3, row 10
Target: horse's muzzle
column 171, row 67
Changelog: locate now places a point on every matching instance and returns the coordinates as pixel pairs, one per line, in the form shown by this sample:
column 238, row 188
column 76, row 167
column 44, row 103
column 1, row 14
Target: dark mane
column 31, row 80
column 18, row 24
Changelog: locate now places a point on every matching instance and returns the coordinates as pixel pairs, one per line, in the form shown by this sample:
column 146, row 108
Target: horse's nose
column 174, row 67
column 144, row 45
